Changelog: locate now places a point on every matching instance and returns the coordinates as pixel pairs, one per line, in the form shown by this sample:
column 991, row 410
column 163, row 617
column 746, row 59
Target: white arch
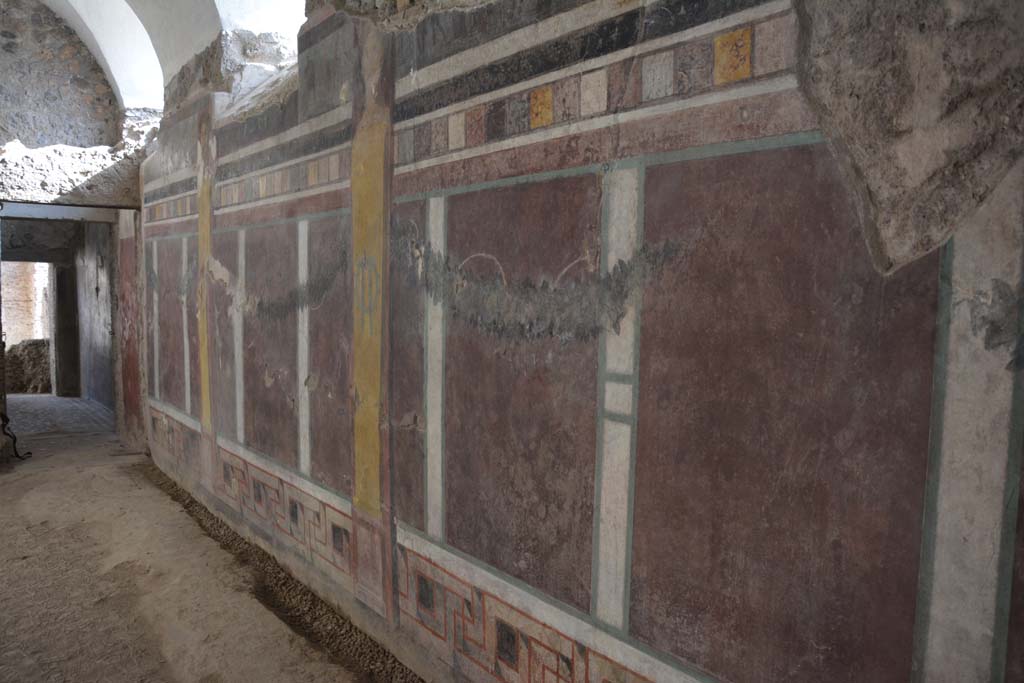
column 121, row 45
column 181, row 29
column 142, row 44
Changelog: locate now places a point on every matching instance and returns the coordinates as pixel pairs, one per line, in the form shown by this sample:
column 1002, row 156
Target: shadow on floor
column 46, row 413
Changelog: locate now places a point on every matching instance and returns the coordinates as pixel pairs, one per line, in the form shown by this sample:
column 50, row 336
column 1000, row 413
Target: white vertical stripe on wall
column 237, row 329
column 434, row 394
column 974, row 483
column 622, row 190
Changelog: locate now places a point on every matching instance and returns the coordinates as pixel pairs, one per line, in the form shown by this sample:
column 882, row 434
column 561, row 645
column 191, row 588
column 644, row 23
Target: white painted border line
column 545, row 612
column 238, row 332
column 187, row 420
column 434, row 394
column 765, row 87
column 302, row 362
column 551, row 29
column 279, row 198
column 511, row 43
column 185, row 346
column 177, row 219
column 314, row 125
column 622, row 198
column 288, row 476
column 285, row 164
column 169, row 179
column 175, row 197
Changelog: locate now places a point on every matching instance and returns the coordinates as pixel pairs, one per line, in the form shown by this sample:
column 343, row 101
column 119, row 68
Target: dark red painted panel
column 520, row 414
column 330, row 352
column 408, row 235
column 269, row 346
column 224, row 251
column 170, row 325
column 785, row 393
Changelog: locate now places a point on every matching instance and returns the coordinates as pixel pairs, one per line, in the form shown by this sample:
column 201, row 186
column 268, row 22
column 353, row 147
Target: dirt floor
column 110, row 574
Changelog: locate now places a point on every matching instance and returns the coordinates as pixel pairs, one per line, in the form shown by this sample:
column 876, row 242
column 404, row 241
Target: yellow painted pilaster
column 371, row 183
column 207, row 155
column 368, row 316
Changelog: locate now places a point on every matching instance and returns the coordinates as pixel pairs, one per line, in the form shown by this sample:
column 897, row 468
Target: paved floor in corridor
column 43, row 413
column 105, row 578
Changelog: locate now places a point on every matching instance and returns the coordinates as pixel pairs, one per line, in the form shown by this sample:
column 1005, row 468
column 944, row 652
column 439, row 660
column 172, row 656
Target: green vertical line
column 1011, row 499
column 425, row 221
column 929, row 521
column 444, row 378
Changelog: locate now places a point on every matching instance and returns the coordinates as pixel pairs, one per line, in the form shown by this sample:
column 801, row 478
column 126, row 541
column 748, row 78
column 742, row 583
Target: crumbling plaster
column 924, row 102
column 97, row 176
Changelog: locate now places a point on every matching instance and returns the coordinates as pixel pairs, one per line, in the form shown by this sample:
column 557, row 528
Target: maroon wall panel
column 224, row 251
column 520, row 413
column 171, row 342
column 330, row 352
column 271, row 281
column 784, row 407
column 409, row 235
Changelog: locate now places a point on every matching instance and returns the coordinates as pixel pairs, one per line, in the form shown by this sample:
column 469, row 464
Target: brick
column 457, row 130
column 566, row 94
column 541, row 109
column 732, row 56
column 593, row 93
column 658, row 76
column 775, row 47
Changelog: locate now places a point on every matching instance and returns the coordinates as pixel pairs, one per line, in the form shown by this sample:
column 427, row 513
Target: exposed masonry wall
column 428, row 321
column 25, row 314
column 53, row 91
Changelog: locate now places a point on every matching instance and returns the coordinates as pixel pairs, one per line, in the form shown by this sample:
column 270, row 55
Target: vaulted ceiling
column 142, row 44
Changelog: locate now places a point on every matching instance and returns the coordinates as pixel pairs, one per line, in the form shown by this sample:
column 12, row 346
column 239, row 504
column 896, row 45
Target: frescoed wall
column 544, row 340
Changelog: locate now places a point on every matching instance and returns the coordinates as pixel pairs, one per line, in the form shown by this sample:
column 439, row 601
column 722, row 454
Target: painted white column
column 183, row 294
column 237, row 330
column 622, row 217
column 302, row 344
column 970, row 510
column 433, row 399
